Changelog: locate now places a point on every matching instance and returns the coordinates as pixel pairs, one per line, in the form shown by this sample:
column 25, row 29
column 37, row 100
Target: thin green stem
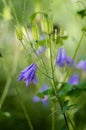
column 69, row 70
column 24, row 47
column 12, row 7
column 24, row 10
column 75, row 53
column 44, row 63
column 54, row 87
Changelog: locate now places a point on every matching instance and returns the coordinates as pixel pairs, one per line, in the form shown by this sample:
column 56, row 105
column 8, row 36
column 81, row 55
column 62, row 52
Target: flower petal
column 74, row 79
column 62, row 58
column 81, row 65
column 28, row 74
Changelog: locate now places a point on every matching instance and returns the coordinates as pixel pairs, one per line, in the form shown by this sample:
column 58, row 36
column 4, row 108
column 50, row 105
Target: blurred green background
column 70, row 16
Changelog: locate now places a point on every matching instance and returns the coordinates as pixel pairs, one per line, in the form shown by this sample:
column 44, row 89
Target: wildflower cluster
column 43, row 49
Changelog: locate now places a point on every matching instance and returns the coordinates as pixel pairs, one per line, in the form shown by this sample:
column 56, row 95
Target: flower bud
column 19, row 33
column 46, row 25
column 50, row 26
column 35, row 32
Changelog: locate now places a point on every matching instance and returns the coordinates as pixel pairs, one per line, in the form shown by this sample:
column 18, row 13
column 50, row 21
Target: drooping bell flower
column 62, row 58
column 28, row 74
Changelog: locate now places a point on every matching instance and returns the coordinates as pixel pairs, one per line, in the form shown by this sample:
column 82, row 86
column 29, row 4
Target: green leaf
column 82, row 13
column 81, row 86
column 66, row 103
column 46, row 92
column 72, row 90
column 65, row 88
column 40, row 95
column 77, row 89
column 67, row 107
column 52, row 97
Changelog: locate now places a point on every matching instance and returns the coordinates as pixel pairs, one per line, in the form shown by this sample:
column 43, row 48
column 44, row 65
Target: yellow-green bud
column 46, row 25
column 35, row 32
column 50, row 26
column 19, row 33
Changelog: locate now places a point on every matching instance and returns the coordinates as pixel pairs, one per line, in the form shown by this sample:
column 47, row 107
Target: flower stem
column 75, row 53
column 69, row 70
column 54, row 86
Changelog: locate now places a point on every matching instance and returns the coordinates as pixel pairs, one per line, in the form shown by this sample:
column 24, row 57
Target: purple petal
column 34, row 80
column 36, row 99
column 74, row 79
column 27, row 82
column 24, row 74
column 43, row 88
column 81, row 65
column 21, row 77
column 27, row 68
column 68, row 60
column 28, row 74
column 62, row 58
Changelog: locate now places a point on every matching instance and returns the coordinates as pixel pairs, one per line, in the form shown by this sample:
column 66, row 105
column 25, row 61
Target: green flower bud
column 50, row 26
column 19, row 33
column 46, row 25
column 35, row 32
